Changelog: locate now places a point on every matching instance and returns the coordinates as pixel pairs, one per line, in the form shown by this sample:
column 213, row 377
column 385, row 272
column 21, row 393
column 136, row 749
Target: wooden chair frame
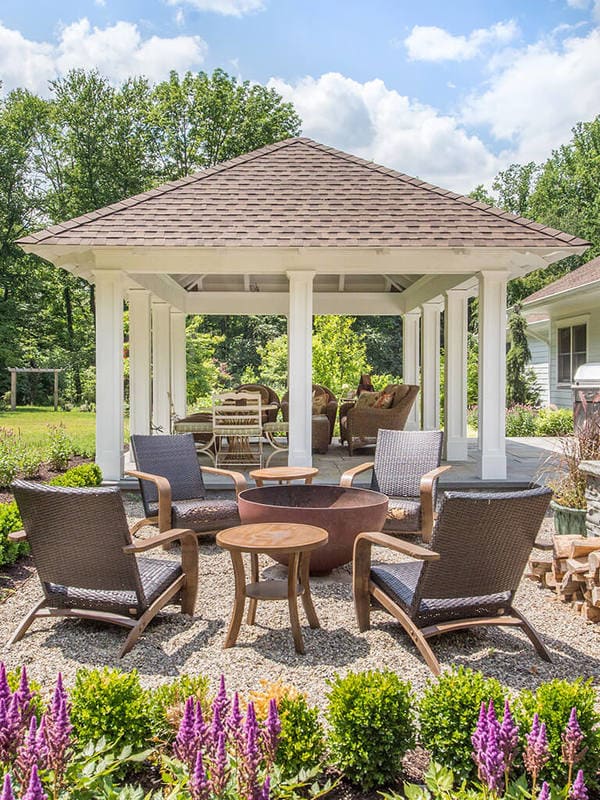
column 186, row 586
column 426, row 495
column 364, row 589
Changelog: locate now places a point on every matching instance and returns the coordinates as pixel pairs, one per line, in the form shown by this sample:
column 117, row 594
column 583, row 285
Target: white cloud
column 229, row 8
column 101, row 3
column 584, row 5
column 378, row 123
column 179, row 17
column 429, row 43
column 534, row 99
column 117, row 51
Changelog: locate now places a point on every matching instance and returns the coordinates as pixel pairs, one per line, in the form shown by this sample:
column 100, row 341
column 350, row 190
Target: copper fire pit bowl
column 343, row 512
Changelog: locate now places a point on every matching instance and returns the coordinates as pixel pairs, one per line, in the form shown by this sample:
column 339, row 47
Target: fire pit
column 343, row 512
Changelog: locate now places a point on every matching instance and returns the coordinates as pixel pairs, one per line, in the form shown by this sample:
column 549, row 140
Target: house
column 563, row 330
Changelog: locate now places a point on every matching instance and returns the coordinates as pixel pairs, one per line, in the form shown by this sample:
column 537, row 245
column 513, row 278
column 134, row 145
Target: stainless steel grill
column 586, row 393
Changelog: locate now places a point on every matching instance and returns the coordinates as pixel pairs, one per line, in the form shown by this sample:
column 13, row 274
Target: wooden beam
column 354, row 303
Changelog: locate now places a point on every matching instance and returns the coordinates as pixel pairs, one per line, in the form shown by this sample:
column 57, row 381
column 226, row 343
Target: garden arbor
column 298, row 228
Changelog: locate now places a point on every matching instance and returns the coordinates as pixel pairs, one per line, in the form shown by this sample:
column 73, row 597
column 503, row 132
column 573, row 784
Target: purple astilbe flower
column 198, row 784
column 578, row 789
column 536, row 752
column 234, row 726
column 479, row 739
column 219, row 774
column 10, row 728
column 24, row 696
column 544, row 792
column 40, row 743
column 5, row 692
column 220, row 709
column 251, row 757
column 508, row 737
column 270, row 734
column 185, row 742
column 200, row 727
column 572, row 739
column 59, row 697
column 58, row 736
column 30, row 753
column 7, row 791
column 265, row 792
column 35, row 790
column 492, row 759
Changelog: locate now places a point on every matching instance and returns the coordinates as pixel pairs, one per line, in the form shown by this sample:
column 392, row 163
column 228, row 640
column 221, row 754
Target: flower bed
column 108, row 738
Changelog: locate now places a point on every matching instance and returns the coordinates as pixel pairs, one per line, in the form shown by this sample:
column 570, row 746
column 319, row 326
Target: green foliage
column 521, row 384
column 553, row 702
column 81, row 475
column 204, row 377
column 111, row 704
column 554, row 422
column 302, row 740
column 520, row 421
column 439, row 784
column 372, row 725
column 10, row 521
column 339, row 353
column 165, row 703
column 448, row 712
column 60, row 446
column 514, row 186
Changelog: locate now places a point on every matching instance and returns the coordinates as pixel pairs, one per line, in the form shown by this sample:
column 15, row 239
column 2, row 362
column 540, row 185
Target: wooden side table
column 296, row 541
column 284, row 474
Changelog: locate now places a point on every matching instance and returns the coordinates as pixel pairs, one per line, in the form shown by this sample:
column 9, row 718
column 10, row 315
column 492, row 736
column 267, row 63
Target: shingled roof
column 299, row 193
column 582, row 276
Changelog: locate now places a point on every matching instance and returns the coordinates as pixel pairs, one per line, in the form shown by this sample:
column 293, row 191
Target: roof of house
column 299, row 193
column 582, row 276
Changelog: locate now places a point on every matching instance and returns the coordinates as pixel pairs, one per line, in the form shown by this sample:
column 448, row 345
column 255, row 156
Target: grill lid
column 588, row 375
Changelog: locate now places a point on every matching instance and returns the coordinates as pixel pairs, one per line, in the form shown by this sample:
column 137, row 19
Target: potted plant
column 568, row 481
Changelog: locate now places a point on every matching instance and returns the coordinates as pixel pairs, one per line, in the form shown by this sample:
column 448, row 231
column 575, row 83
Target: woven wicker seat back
column 402, row 458
column 172, row 457
column 77, row 537
column 484, row 540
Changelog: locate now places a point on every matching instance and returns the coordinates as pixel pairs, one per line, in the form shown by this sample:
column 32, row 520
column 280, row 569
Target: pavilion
column 297, row 228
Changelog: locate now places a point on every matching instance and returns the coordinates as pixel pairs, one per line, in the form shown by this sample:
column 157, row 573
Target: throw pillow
column 385, row 400
column 367, row 399
column 319, row 403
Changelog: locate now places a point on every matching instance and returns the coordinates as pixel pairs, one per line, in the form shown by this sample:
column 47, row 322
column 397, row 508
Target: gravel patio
column 175, row 644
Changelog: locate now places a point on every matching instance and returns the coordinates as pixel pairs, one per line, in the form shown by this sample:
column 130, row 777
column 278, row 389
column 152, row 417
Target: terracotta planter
column 569, row 520
column 344, row 513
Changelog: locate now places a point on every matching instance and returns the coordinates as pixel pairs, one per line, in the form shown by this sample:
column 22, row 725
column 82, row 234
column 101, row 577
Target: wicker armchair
column 268, row 396
column 87, row 562
column 330, row 409
column 406, row 468
column 359, row 425
column 481, row 543
column 172, row 489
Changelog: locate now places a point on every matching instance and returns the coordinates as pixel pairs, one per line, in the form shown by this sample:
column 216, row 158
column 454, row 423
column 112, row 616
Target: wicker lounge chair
column 173, row 492
column 481, row 543
column 406, row 468
column 330, row 411
column 86, row 560
column 269, row 397
column 359, row 426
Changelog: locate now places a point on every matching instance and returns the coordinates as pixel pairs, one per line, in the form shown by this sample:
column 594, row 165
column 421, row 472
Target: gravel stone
column 174, row 644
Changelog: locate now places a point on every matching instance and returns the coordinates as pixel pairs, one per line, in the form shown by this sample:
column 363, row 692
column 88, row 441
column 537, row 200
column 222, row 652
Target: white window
column 572, row 351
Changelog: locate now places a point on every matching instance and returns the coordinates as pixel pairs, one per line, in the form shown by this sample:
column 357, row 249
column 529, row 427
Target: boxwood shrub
column 10, row 521
column 81, row 475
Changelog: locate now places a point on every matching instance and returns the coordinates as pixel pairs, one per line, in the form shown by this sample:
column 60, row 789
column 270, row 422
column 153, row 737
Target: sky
column 450, row 92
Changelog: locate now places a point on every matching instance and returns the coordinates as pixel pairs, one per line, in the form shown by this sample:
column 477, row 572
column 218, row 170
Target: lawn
column 31, row 424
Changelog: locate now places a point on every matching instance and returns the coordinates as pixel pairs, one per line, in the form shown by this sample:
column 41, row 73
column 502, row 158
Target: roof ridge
column 162, row 189
column 487, row 207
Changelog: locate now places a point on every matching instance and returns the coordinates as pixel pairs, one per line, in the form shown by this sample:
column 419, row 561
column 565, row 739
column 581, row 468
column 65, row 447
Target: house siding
column 561, row 395
column 540, row 364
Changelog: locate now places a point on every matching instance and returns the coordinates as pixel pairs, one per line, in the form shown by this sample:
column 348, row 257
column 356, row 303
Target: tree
column 339, row 353
column 481, row 194
column 204, row 374
column 521, row 385
column 515, row 185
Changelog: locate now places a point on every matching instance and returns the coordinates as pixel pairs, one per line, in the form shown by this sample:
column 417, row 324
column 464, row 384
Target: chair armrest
column 163, row 488
column 236, row 477
column 427, row 484
column 399, row 545
column 349, row 475
column 17, row 536
column 166, row 537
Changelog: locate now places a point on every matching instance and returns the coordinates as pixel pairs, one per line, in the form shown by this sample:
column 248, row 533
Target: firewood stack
column 573, row 572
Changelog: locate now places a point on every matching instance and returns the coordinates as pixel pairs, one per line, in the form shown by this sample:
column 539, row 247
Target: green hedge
column 82, row 475
column 10, row 521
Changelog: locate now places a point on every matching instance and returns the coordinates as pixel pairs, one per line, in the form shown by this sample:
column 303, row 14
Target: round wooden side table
column 283, row 474
column 296, row 541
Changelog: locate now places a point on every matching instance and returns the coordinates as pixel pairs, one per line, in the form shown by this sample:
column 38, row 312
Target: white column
column 430, row 365
column 492, row 374
column 140, row 366
column 300, row 367
column 455, row 376
column 161, row 367
column 109, row 373
column 178, row 364
column 411, row 363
